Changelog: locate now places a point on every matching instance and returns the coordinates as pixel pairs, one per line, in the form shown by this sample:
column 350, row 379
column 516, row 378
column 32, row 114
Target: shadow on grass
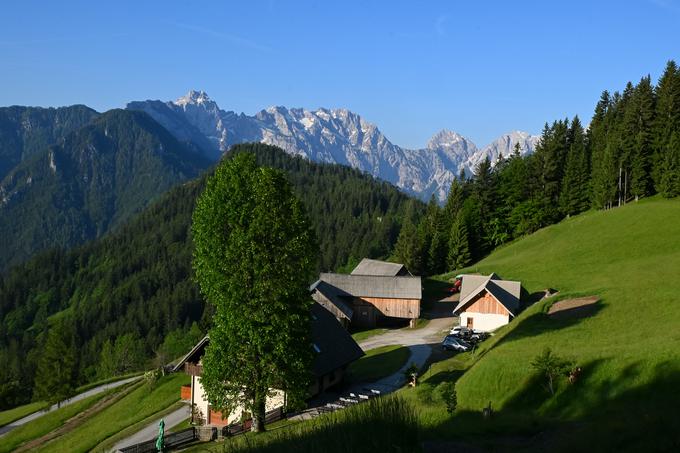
column 589, row 415
column 540, row 322
column 373, row 367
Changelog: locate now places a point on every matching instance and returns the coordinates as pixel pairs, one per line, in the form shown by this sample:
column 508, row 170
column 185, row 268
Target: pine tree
column 55, row 376
column 638, row 127
column 669, row 183
column 667, row 119
column 574, row 196
column 459, row 247
column 407, row 249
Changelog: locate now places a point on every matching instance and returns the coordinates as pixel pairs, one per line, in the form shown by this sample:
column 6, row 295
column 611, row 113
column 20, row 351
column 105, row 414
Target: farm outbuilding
column 375, row 290
column 487, row 302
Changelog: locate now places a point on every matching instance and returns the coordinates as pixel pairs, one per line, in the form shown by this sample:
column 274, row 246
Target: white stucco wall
column 484, row 321
column 276, row 400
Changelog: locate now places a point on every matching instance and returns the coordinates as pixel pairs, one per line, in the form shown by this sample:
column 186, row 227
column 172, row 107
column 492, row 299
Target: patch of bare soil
column 580, row 307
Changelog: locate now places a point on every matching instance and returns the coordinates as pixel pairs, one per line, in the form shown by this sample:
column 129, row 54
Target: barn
column 487, row 302
column 373, row 292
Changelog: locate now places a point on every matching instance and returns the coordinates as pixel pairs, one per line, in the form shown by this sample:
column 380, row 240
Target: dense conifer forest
column 630, row 150
column 130, row 296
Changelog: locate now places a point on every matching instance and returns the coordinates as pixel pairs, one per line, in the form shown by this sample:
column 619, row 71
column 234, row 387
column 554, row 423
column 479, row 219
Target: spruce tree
column 574, row 196
column 55, row 376
column 459, row 247
column 667, row 119
column 638, row 141
column 669, row 183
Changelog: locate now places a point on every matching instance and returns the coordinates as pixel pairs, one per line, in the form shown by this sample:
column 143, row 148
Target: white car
column 460, row 331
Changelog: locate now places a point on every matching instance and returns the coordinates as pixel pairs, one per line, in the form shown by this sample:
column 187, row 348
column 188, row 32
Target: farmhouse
column 335, row 350
column 487, row 302
column 374, row 291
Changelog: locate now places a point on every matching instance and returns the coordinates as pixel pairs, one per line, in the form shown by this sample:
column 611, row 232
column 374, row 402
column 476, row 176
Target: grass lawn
column 379, row 363
column 8, row 416
column 46, row 423
column 382, row 424
column 366, row 334
column 138, row 405
column 626, row 397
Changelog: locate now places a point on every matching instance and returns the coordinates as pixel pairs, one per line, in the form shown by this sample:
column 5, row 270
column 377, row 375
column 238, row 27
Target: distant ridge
column 334, row 136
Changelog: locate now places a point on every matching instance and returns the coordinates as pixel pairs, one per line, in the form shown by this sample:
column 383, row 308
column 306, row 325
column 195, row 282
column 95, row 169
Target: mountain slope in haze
column 332, row 136
column 97, row 177
column 138, row 278
column 25, row 131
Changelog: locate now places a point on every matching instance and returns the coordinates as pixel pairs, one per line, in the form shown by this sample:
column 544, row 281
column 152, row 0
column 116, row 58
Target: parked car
column 453, row 343
column 461, row 332
column 478, row 335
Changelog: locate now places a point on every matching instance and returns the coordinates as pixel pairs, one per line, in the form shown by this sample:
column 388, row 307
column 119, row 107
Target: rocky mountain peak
column 198, row 98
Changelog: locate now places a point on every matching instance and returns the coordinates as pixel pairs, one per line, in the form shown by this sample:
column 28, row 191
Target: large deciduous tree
column 255, row 254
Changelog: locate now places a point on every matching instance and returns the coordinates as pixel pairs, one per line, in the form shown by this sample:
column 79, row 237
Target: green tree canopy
column 255, row 254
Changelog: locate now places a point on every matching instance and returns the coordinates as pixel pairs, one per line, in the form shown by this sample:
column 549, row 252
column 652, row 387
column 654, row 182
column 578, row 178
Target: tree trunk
column 259, row 412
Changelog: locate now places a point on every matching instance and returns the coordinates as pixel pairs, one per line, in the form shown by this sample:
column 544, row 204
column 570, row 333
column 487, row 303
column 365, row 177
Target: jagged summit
column 335, row 135
column 194, row 97
column 446, row 138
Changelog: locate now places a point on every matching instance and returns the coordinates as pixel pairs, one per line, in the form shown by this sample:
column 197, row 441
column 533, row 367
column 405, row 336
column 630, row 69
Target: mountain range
column 331, row 136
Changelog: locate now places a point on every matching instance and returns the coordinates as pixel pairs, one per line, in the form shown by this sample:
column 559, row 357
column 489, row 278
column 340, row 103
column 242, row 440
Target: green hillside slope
column 93, row 180
column 628, row 348
column 138, row 279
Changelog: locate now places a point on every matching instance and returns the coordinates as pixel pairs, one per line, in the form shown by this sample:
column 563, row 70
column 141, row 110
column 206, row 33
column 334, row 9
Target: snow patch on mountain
column 333, row 136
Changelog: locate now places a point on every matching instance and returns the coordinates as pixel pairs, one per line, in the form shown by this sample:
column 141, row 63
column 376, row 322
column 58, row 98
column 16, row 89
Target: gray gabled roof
column 334, row 296
column 336, row 346
column 507, row 292
column 375, row 286
column 368, row 266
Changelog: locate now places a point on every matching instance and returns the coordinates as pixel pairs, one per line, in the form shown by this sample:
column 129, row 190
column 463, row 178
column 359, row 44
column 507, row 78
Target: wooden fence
column 172, row 440
column 203, row 433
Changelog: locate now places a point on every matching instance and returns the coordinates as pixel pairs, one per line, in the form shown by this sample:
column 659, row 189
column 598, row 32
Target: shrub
column 551, row 367
column 446, row 393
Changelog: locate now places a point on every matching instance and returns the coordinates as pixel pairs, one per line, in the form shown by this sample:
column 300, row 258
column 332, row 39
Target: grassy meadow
column 141, row 403
column 629, row 348
column 8, row 416
column 378, row 363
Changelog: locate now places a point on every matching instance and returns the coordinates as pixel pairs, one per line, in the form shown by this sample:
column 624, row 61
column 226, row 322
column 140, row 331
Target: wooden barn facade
column 487, row 302
column 374, row 291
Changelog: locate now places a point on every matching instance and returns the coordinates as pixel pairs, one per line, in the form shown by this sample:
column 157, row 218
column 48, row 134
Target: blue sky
column 413, row 68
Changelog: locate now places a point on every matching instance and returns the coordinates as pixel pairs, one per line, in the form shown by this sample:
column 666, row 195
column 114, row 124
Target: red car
column 456, row 286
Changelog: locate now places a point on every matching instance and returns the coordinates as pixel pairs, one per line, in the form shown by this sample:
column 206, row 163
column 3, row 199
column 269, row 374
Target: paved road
column 419, row 342
column 29, row 418
column 150, row 431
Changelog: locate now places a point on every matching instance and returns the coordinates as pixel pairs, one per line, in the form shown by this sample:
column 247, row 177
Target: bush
column 551, row 367
column 446, row 393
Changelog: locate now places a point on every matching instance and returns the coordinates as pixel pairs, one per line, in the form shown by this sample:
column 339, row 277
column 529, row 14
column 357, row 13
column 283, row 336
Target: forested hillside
column 25, row 131
column 130, row 295
column 630, row 150
column 93, row 180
